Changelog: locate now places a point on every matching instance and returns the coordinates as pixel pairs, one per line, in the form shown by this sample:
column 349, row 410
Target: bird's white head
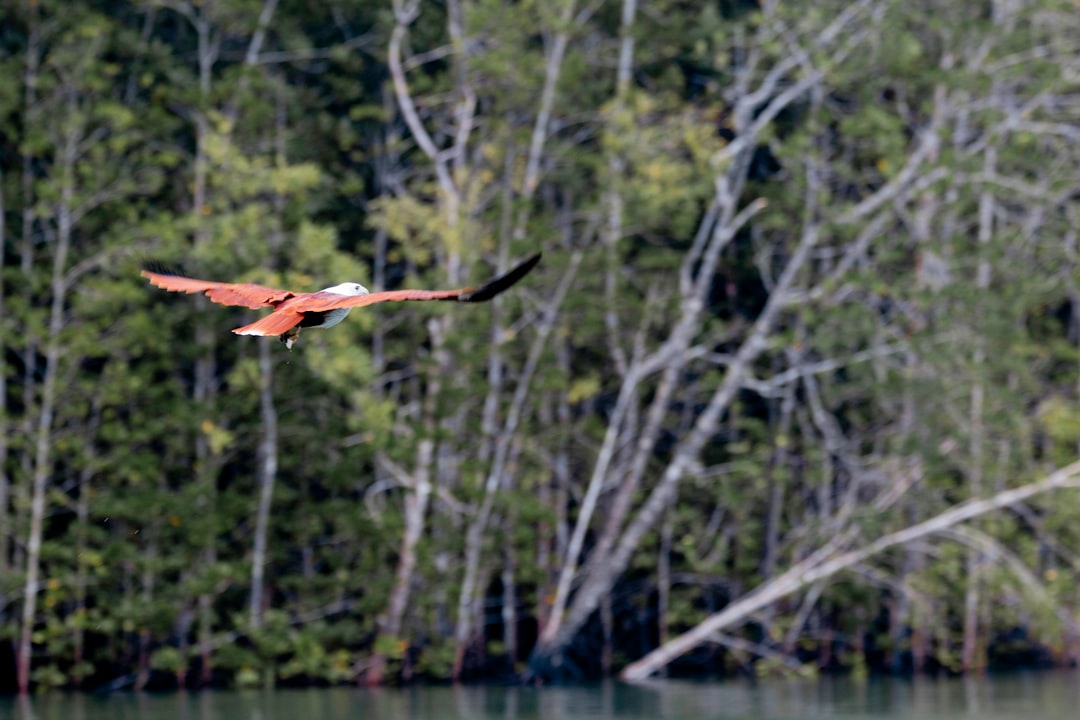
column 348, row 288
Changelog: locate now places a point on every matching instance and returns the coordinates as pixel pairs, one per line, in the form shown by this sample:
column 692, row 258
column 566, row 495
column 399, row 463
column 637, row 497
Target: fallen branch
column 815, row 568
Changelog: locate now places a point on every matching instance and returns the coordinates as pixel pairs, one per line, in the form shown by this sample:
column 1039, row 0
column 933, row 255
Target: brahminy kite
column 321, row 309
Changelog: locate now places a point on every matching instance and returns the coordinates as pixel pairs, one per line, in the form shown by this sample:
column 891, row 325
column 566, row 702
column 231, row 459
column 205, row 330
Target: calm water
column 1029, row 696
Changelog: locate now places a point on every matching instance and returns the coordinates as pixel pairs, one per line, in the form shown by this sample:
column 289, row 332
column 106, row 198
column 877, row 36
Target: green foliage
column 1060, row 419
column 436, row 660
column 168, row 659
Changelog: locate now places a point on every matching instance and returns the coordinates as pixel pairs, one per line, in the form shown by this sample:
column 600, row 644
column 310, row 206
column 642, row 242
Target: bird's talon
column 289, row 338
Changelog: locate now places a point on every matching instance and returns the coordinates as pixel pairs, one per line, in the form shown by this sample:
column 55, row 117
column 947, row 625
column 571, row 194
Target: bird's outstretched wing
column 322, row 301
column 239, row 294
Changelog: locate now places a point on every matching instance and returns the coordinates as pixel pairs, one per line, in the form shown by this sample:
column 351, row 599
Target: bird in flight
column 325, row 308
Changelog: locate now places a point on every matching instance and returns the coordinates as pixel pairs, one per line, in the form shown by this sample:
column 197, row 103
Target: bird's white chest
column 333, row 317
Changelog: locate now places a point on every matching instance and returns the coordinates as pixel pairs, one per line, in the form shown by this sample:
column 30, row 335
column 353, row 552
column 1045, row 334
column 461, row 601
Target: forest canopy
column 794, row 389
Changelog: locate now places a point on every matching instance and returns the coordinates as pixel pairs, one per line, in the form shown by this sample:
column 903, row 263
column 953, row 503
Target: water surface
column 1020, row 696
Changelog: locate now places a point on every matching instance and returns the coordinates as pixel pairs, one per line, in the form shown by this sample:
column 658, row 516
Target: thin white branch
column 552, row 70
column 404, row 97
column 774, row 386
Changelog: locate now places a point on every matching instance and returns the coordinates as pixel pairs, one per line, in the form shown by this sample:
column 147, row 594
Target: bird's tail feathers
column 273, row 324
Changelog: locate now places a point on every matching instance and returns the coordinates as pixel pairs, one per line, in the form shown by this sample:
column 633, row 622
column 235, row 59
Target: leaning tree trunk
column 26, row 260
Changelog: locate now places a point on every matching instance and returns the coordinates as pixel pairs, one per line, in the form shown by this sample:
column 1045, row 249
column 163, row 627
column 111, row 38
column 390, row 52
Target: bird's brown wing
column 239, row 294
column 321, row 301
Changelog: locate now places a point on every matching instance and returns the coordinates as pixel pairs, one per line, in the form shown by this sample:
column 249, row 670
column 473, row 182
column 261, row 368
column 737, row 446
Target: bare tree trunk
column 663, row 577
column 5, row 481
column 607, row 627
column 905, row 615
column 616, row 170
column 1072, row 642
column 491, row 439
column 205, row 389
column 405, row 12
column 206, row 626
column 382, row 167
column 44, row 434
column 555, row 493
column 26, row 266
column 612, row 233
column 496, row 475
column 268, row 446
column 502, row 441
column 779, row 466
column 972, row 655
column 82, row 519
column 268, row 460
column 205, row 382
column 509, row 602
column 969, row 658
column 416, row 503
column 142, row 668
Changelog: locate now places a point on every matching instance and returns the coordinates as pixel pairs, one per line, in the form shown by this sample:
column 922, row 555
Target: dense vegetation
column 795, row 387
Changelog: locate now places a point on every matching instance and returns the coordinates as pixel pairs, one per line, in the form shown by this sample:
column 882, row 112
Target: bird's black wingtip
column 162, row 268
column 501, row 283
column 530, row 263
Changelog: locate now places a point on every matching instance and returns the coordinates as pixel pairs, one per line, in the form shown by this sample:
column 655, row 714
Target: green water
column 1027, row 696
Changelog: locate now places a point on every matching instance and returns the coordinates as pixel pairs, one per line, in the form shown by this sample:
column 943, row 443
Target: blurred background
column 794, row 389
